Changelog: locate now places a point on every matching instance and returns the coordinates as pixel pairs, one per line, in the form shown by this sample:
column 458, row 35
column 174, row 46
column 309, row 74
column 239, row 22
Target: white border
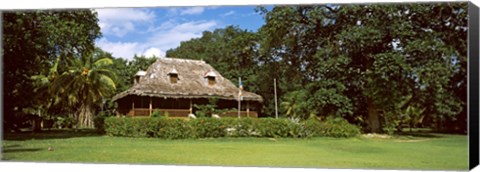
column 75, row 4
column 69, row 4
column 74, row 167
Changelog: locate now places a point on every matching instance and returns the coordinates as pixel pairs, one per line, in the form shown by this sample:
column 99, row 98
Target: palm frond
column 103, row 62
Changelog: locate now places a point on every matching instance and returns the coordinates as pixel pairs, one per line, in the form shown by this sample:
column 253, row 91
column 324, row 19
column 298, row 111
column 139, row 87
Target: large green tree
column 85, row 84
column 365, row 59
column 31, row 43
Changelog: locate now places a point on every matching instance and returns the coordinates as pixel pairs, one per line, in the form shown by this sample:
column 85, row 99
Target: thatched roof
column 192, row 82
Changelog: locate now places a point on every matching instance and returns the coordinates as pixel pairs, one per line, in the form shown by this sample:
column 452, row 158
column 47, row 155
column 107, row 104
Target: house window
column 210, row 76
column 137, row 79
column 211, row 80
column 173, row 78
column 139, row 75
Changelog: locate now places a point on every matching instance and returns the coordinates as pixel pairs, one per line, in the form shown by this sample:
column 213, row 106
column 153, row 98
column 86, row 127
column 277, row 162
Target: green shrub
column 128, row 127
column 270, row 127
column 64, row 122
column 114, row 126
column 99, row 122
column 233, row 127
column 337, row 127
column 209, row 127
column 390, row 128
column 243, row 127
column 156, row 113
column 312, row 128
column 172, row 129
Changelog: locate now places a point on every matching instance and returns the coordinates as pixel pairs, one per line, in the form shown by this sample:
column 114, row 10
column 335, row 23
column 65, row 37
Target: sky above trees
column 152, row 31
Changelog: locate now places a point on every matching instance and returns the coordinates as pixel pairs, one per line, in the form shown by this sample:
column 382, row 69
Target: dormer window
column 211, row 80
column 173, row 76
column 138, row 75
column 210, row 76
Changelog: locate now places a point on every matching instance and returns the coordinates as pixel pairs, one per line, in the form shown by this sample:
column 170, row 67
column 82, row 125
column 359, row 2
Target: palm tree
column 43, row 100
column 294, row 105
column 84, row 84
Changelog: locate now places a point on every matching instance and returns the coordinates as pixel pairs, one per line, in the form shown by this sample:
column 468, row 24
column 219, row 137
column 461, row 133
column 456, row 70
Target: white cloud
column 121, row 21
column 192, row 11
column 228, row 13
column 164, row 26
column 171, row 38
column 122, row 14
column 119, row 49
column 166, row 36
column 197, row 26
column 154, row 52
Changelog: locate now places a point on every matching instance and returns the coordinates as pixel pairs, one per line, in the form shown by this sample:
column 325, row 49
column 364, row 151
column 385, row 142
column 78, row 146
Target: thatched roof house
column 174, row 85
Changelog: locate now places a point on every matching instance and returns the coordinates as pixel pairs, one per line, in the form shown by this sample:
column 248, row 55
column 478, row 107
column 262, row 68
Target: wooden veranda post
column 191, row 107
column 133, row 107
column 150, row 107
column 248, row 109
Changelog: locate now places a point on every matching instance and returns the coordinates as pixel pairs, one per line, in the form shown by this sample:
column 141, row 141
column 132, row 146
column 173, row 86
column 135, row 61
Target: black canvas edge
column 473, row 89
column 1, row 84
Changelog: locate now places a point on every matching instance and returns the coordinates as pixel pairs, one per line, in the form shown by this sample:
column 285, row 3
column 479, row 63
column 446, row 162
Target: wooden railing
column 185, row 112
column 252, row 114
column 171, row 112
column 141, row 112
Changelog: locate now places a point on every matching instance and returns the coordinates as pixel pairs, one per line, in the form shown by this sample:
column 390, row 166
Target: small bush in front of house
column 312, row 128
column 270, row 127
column 228, row 127
column 156, row 113
column 115, row 126
column 99, row 121
column 209, row 127
column 128, row 127
column 148, row 127
column 171, row 128
column 337, row 127
column 243, row 127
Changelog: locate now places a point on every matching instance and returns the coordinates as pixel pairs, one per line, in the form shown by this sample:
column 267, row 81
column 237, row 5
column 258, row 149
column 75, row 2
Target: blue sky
column 152, row 31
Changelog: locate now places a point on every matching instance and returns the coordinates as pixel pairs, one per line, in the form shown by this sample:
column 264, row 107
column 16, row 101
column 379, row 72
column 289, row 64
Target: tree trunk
column 373, row 117
column 36, row 124
column 85, row 117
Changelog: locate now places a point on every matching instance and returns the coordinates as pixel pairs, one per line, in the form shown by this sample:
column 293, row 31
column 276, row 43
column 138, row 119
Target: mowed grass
column 427, row 152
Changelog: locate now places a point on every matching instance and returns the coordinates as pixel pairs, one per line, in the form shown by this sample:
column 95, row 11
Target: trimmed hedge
column 227, row 127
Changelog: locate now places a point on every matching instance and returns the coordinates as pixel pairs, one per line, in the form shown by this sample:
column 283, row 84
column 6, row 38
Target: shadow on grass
column 50, row 134
column 21, row 150
column 10, row 146
column 425, row 133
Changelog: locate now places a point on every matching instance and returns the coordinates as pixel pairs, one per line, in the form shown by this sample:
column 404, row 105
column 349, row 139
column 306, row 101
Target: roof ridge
column 180, row 59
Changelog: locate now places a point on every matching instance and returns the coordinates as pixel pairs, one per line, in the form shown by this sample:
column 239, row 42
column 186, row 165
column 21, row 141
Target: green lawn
column 430, row 151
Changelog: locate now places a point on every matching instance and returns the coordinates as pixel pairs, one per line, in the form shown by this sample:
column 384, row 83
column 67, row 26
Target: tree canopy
column 354, row 61
column 380, row 66
column 32, row 42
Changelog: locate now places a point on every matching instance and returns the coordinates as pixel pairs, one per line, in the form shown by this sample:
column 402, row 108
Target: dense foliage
column 228, row 127
column 367, row 63
column 54, row 71
column 33, row 41
column 380, row 66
